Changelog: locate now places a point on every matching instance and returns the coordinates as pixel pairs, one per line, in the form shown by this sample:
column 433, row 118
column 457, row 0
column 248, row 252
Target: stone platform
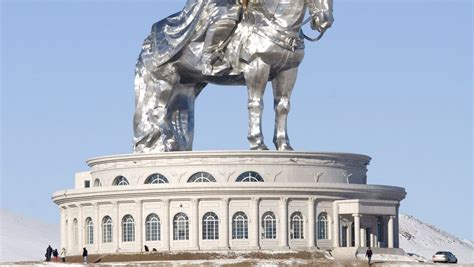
column 227, row 200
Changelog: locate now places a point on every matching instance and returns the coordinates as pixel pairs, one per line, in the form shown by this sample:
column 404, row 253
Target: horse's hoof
column 259, row 147
column 171, row 145
column 284, row 147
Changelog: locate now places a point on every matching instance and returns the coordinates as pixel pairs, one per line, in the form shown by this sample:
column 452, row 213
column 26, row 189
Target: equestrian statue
column 225, row 42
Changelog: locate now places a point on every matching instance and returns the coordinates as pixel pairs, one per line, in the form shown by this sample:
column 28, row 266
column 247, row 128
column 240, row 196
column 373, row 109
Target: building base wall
column 282, row 203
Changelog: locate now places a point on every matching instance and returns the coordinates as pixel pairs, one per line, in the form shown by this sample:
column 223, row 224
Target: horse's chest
column 271, row 53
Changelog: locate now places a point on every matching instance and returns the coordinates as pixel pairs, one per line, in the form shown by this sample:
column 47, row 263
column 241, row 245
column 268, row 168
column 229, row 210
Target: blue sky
column 391, row 79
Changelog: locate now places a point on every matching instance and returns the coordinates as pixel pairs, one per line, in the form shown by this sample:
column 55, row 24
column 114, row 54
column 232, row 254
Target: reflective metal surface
column 222, row 42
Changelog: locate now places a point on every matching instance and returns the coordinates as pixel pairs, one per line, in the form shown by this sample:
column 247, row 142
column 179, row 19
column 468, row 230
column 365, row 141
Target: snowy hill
column 425, row 240
column 23, row 239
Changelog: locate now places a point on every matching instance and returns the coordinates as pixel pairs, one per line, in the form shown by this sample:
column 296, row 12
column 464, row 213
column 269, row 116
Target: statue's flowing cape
column 170, row 35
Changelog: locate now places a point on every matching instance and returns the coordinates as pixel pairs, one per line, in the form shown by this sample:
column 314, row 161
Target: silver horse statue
column 226, row 42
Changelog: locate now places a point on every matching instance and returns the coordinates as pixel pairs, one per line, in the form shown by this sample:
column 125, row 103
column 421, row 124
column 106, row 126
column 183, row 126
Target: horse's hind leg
column 283, row 85
column 181, row 113
column 256, row 77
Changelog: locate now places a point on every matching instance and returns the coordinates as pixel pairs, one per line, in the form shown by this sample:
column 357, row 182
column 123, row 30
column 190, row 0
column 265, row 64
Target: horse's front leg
column 256, row 77
column 283, row 85
column 153, row 129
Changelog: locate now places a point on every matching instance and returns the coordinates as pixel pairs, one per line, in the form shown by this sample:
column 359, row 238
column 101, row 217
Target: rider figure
column 228, row 13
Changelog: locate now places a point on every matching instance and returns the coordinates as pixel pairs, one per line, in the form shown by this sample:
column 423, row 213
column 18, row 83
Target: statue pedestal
column 228, row 199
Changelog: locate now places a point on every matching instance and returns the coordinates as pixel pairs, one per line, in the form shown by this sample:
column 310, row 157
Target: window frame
column 89, row 231
column 210, row 226
column 296, row 226
column 202, row 177
column 107, row 230
column 323, row 226
column 156, row 178
column 128, row 228
column 269, row 225
column 120, row 181
column 240, row 226
column 97, row 182
column 180, row 227
column 152, row 227
column 249, row 176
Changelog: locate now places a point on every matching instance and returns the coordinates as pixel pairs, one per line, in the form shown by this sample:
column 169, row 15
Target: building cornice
column 229, row 190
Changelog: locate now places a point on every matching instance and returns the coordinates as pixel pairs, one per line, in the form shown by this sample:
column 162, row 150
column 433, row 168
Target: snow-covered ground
column 24, row 239
column 425, row 240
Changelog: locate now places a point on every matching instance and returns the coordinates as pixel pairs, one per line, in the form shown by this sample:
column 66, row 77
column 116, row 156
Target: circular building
column 252, row 200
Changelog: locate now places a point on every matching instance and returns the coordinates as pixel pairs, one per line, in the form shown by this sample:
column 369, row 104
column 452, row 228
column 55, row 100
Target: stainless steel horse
column 266, row 45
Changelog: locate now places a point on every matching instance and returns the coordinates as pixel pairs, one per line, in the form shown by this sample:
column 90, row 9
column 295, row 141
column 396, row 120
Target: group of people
column 147, row 249
column 53, row 255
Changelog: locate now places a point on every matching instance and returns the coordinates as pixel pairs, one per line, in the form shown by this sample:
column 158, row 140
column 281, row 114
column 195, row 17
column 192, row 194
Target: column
column 335, row 236
column 225, row 224
column 372, row 239
column 194, row 234
column 363, row 237
column 390, row 231
column 311, row 223
column 62, row 231
column 255, row 226
column 80, row 227
column 139, row 224
column 348, row 236
column 396, row 235
column 116, row 226
column 284, row 223
column 68, row 231
column 97, row 227
column 166, row 231
column 357, row 230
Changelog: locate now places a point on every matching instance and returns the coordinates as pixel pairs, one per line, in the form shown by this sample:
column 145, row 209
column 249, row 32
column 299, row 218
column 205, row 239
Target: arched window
column 97, row 183
column 107, row 230
column 128, row 229
column 120, row 180
column 323, row 226
column 75, row 230
column 201, row 177
column 180, row 227
column 269, row 225
column 240, row 226
column 152, row 227
column 156, row 178
column 249, row 177
column 296, row 226
column 210, row 226
column 89, row 231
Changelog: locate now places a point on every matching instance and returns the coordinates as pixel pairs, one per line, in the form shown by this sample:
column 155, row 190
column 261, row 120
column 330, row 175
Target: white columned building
column 187, row 201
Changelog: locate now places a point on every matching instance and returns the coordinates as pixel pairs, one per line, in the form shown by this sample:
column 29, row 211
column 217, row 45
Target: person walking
column 55, row 255
column 368, row 254
column 49, row 251
column 63, row 255
column 84, row 255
